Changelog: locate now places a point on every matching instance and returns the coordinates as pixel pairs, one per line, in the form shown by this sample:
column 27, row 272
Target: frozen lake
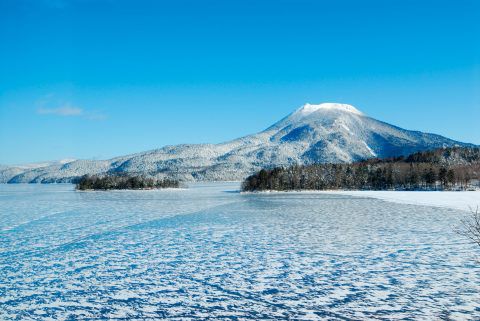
column 211, row 252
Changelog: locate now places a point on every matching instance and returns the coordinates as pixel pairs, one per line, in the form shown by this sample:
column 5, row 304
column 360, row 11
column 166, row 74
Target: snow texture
column 211, row 253
column 465, row 200
column 312, row 134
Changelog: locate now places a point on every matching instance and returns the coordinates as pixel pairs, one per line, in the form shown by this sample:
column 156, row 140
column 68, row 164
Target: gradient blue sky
column 97, row 79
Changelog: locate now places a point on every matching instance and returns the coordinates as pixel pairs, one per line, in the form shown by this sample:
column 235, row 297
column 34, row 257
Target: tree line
column 123, row 182
column 442, row 169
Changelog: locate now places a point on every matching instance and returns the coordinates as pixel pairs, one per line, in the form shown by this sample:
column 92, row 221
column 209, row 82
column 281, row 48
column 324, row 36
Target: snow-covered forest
column 442, row 169
column 109, row 182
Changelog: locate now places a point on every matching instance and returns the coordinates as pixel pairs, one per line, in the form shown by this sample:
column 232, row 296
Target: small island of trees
column 442, row 169
column 123, row 182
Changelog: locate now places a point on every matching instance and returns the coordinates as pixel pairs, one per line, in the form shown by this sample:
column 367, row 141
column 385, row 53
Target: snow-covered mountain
column 327, row 132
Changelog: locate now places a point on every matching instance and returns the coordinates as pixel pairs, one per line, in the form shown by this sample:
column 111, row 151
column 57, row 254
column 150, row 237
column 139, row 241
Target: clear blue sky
column 97, row 79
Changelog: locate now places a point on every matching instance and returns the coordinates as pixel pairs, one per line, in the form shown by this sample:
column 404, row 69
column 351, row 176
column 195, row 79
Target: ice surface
column 467, row 201
column 211, row 252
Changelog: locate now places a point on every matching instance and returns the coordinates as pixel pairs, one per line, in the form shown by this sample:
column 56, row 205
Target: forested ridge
column 456, row 168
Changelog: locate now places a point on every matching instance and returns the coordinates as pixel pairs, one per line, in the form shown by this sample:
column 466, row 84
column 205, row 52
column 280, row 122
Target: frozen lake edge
column 460, row 200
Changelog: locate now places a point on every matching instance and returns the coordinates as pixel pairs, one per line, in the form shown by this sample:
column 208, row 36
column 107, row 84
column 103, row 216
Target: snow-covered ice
column 210, row 251
column 467, row 200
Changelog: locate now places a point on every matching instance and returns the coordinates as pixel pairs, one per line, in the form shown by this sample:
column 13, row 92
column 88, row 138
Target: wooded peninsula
column 442, row 169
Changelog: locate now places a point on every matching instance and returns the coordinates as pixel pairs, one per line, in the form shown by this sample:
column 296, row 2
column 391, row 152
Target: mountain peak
column 309, row 108
column 324, row 133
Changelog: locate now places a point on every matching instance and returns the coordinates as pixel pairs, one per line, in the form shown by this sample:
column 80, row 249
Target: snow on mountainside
column 314, row 133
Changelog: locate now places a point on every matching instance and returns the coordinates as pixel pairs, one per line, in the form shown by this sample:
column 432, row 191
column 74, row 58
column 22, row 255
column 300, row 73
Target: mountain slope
column 312, row 134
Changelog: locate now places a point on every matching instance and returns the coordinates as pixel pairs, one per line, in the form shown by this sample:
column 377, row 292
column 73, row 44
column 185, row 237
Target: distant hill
column 325, row 133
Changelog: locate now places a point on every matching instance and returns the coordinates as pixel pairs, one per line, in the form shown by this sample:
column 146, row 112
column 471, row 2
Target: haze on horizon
column 98, row 79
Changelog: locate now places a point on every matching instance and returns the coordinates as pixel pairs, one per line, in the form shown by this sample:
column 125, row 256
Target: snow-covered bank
column 458, row 200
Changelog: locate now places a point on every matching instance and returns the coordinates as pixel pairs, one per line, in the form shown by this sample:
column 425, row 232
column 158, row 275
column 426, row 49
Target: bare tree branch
column 471, row 227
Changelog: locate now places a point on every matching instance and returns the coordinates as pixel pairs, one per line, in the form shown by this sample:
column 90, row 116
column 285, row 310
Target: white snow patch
column 308, row 108
column 370, row 150
column 345, row 127
column 466, row 201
